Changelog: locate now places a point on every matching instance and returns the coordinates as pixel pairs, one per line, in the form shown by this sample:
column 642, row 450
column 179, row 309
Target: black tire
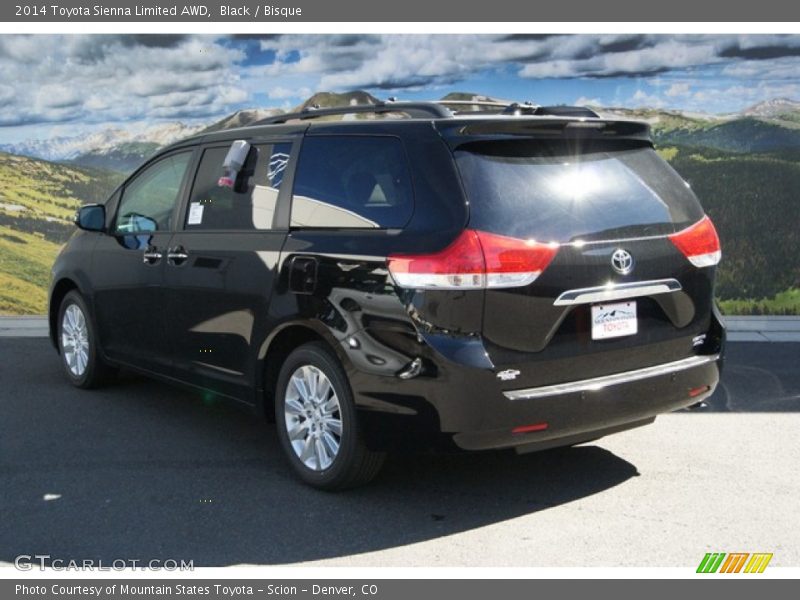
column 354, row 464
column 95, row 372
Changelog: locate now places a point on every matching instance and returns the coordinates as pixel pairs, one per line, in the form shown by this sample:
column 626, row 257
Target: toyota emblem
column 622, row 261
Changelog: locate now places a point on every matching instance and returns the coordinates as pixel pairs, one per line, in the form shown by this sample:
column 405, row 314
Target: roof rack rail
column 413, row 109
column 434, row 109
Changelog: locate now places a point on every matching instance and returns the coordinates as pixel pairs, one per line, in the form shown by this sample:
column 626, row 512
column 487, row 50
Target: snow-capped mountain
column 775, row 107
column 242, row 118
column 124, row 149
column 101, row 142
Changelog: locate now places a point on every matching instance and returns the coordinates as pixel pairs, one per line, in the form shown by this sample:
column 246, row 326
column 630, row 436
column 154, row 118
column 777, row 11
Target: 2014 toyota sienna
column 514, row 276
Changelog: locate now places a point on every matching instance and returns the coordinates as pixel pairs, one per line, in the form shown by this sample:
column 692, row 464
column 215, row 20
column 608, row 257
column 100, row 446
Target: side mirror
column 91, row 217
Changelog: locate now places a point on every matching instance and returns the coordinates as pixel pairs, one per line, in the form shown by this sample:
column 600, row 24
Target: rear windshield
column 563, row 192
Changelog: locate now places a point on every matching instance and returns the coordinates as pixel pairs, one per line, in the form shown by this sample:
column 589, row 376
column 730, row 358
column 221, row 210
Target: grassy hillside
column 783, row 303
column 740, row 135
column 37, row 202
column 25, row 261
column 753, row 200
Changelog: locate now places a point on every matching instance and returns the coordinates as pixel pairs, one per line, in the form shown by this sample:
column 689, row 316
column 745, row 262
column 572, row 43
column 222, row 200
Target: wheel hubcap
column 313, row 418
column 75, row 340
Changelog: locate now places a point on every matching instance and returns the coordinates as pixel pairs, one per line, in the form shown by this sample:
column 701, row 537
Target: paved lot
column 140, row 470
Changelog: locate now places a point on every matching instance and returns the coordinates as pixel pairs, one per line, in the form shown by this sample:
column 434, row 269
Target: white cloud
column 678, row 90
column 282, row 93
column 94, row 79
column 645, row 100
column 99, row 78
column 584, row 101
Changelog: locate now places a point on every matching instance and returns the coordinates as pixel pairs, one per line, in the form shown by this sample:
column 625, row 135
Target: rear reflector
column 699, row 243
column 694, row 392
column 475, row 260
column 530, row 428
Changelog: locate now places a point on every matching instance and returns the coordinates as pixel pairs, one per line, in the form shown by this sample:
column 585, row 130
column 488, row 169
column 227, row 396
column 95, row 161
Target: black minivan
column 506, row 277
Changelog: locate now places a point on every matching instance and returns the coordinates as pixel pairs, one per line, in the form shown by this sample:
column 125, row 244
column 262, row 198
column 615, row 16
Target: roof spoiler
column 462, row 131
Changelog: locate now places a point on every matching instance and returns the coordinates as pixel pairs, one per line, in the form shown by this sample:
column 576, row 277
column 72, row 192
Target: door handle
column 151, row 256
column 177, row 256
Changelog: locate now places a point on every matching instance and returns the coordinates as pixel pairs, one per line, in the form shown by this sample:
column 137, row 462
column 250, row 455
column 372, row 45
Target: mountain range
column 768, row 126
column 745, row 168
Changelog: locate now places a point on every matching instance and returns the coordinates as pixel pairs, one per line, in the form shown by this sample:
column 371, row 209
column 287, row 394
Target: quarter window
column 352, row 182
column 149, row 200
column 248, row 206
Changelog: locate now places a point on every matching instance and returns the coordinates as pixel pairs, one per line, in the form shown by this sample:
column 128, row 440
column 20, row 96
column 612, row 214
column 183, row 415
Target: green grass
column 30, row 237
column 783, row 303
column 25, row 261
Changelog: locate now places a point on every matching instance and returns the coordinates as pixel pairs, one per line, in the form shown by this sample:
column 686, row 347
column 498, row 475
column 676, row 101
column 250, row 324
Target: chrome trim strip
column 619, row 291
column 598, row 383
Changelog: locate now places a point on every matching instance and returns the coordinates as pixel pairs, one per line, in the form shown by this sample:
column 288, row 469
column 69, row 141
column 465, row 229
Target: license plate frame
column 613, row 320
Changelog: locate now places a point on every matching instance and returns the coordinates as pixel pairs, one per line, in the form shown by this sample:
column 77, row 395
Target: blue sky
column 68, row 85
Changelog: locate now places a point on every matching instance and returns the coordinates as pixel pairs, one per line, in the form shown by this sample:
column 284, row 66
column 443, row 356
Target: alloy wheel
column 313, row 417
column 75, row 340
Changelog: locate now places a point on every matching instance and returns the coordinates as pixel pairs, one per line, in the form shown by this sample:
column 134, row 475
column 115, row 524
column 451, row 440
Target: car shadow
column 141, row 470
column 757, row 377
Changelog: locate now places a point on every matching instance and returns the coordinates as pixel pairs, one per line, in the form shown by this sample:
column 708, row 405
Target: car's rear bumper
column 479, row 410
column 590, row 408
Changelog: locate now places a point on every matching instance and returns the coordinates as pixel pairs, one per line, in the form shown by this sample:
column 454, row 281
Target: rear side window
column 562, row 192
column 252, row 207
column 352, row 182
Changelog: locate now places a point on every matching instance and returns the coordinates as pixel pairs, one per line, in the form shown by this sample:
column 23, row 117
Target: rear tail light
column 475, row 260
column 699, row 243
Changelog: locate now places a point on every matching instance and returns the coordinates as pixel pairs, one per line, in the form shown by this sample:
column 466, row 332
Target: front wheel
column 77, row 344
column 316, row 420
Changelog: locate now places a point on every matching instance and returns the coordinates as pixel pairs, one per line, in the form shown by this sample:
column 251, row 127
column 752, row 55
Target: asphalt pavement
column 141, row 470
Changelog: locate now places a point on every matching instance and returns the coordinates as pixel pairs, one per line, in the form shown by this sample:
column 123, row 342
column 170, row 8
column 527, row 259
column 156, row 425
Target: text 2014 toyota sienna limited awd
column 508, row 277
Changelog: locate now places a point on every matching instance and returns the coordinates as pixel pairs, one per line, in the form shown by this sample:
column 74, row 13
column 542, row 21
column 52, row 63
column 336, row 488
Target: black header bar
column 250, row 11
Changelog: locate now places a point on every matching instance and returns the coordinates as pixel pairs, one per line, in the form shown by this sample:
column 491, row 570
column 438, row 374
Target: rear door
column 618, row 293
column 221, row 266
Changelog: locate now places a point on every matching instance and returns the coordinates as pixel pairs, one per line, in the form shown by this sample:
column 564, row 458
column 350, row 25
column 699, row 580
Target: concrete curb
column 740, row 329
column 28, row 326
column 763, row 329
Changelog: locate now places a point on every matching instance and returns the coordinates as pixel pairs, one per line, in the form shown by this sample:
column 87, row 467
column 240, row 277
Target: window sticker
column 195, row 214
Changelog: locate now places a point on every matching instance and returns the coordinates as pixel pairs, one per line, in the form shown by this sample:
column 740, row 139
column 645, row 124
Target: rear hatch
column 617, row 289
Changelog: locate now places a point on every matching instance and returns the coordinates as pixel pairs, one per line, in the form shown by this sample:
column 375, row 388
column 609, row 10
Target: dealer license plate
column 613, row 320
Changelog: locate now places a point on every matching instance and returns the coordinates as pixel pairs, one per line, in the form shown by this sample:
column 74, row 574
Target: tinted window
column 252, row 204
column 352, row 182
column 149, row 200
column 553, row 191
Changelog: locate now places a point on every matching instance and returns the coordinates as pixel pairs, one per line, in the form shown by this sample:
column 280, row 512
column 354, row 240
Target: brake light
column 511, row 262
column 475, row 260
column 699, row 243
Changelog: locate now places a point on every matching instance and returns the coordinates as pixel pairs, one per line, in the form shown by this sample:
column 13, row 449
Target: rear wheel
column 316, row 420
column 77, row 343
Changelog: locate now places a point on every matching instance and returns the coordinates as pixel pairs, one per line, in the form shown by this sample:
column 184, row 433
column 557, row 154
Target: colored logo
column 734, row 562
